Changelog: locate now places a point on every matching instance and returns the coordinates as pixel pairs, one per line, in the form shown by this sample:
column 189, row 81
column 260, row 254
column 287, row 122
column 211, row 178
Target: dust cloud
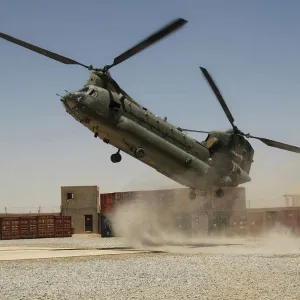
column 146, row 223
column 142, row 223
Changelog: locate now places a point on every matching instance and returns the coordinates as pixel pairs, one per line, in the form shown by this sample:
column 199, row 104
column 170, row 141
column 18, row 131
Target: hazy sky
column 251, row 48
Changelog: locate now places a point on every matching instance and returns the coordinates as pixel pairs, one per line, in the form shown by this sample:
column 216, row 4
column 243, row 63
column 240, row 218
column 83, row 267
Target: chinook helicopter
column 223, row 159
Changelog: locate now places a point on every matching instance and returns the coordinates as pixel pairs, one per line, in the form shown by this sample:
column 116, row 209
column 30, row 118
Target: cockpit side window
column 93, row 93
column 84, row 89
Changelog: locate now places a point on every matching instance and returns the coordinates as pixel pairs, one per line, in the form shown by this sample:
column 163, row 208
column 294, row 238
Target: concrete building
column 82, row 204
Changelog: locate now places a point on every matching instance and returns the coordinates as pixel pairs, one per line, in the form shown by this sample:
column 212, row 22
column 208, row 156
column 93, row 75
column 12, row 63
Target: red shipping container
column 28, row 227
column 166, row 196
column 256, row 221
column 273, row 217
column 106, row 202
column 238, row 223
column 110, row 201
column 63, row 226
column 117, row 199
column 33, row 227
column 289, row 218
column 24, row 227
column 46, row 226
column 10, row 228
column 131, row 196
column 234, row 199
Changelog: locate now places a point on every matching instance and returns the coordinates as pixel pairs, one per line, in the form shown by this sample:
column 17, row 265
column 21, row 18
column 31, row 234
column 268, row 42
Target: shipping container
column 165, row 196
column 290, row 218
column 105, row 226
column 234, row 199
column 63, row 226
column 106, row 201
column 10, row 228
column 256, row 221
column 183, row 221
column 272, row 218
column 110, row 201
column 199, row 223
column 220, row 220
column 46, row 226
column 28, row 227
column 237, row 223
column 131, row 195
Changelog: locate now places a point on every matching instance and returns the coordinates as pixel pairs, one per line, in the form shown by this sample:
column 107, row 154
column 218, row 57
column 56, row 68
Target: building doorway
column 88, row 223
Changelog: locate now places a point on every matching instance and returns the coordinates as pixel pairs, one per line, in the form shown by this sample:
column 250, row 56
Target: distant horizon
column 56, row 209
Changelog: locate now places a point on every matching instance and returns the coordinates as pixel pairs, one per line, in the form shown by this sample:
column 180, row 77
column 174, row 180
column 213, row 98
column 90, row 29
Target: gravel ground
column 255, row 270
column 77, row 241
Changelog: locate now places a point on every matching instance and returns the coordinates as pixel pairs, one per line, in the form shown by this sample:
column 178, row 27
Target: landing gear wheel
column 139, row 152
column 116, row 157
column 219, row 193
column 192, row 195
column 96, row 134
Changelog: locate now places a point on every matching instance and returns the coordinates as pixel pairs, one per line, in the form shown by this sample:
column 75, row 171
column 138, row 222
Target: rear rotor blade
column 55, row 56
column 155, row 37
column 278, row 145
column 218, row 95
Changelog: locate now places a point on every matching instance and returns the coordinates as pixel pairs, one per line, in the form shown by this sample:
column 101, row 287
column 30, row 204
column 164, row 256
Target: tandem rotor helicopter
column 223, row 159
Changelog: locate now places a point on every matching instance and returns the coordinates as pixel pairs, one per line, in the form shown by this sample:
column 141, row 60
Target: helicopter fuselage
column 135, row 130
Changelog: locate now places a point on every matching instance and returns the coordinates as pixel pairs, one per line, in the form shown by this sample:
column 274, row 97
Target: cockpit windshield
column 89, row 91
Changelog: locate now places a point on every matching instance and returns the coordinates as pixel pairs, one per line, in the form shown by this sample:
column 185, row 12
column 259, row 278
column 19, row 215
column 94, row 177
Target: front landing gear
column 116, row 157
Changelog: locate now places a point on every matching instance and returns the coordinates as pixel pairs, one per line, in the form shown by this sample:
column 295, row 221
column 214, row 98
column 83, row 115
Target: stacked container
column 160, row 200
column 108, row 202
column 234, row 199
column 237, row 224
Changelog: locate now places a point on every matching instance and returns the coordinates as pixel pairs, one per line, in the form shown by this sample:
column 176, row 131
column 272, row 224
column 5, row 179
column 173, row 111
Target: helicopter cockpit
column 89, row 91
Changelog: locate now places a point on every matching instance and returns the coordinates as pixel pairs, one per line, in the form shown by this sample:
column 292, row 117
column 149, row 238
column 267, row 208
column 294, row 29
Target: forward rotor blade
column 155, row 37
column 55, row 56
column 191, row 130
column 218, row 95
column 278, row 145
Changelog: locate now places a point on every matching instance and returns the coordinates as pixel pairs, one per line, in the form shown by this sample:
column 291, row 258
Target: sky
column 251, row 49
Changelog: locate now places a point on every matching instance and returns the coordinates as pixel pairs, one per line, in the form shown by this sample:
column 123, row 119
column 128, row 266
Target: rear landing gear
column 192, row 195
column 219, row 193
column 116, row 157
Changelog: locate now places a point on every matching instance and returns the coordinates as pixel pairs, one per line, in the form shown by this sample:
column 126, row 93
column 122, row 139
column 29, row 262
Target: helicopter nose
column 72, row 100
